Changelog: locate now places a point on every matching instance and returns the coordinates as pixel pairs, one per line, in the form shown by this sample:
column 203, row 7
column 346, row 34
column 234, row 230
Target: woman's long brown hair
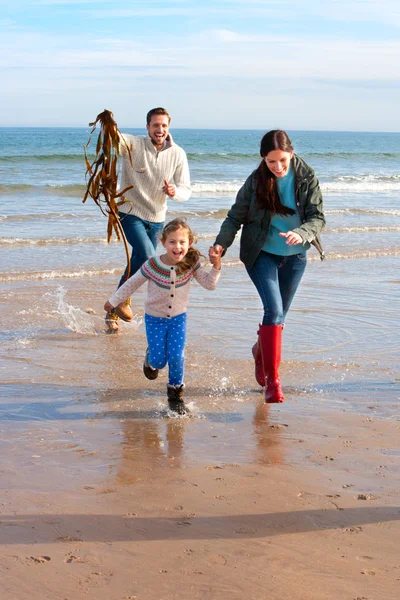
column 192, row 257
column 266, row 188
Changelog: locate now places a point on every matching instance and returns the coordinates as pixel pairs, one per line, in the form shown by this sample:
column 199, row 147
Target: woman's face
column 278, row 162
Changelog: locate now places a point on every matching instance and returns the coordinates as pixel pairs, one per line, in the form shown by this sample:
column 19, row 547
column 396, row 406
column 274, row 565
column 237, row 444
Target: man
column 160, row 170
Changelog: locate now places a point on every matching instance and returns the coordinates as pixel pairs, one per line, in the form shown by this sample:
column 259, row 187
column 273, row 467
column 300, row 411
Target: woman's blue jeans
column 277, row 279
column 143, row 237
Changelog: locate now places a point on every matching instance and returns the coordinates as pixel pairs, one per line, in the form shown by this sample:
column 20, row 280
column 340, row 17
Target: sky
column 229, row 64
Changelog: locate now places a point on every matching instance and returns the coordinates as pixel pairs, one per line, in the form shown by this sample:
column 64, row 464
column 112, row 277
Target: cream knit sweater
column 146, row 199
column 168, row 290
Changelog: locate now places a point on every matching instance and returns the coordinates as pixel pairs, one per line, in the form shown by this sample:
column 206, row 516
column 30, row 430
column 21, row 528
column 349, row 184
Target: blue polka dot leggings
column 166, row 340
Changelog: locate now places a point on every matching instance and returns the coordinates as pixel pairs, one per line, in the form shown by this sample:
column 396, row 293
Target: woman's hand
column 108, row 307
column 292, row 238
column 214, row 254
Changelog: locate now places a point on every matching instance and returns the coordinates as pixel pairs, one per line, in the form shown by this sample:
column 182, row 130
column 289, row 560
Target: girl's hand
column 108, row 307
column 292, row 238
column 215, row 256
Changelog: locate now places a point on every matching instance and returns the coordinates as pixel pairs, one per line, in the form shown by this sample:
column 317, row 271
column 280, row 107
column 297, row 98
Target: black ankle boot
column 175, row 399
column 148, row 371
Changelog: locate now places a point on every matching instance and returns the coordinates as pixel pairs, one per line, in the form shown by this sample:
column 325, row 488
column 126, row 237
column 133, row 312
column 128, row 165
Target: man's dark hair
column 157, row 111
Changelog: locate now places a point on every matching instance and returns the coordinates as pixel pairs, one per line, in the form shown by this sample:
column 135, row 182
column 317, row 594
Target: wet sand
column 105, row 496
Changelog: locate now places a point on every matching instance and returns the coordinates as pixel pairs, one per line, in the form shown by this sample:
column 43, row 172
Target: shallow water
column 75, row 406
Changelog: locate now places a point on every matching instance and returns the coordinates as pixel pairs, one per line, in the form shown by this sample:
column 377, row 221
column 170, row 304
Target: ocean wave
column 363, row 229
column 219, row 187
column 42, row 275
column 364, row 253
column 15, row 242
column 350, row 155
column 47, row 158
column 7, row 277
column 360, row 183
column 218, row 213
column 12, row 242
column 337, row 186
column 200, row 157
column 71, row 189
column 46, row 216
column 363, row 211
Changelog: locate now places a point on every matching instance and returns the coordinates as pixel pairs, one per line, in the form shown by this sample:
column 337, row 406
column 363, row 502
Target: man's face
column 158, row 129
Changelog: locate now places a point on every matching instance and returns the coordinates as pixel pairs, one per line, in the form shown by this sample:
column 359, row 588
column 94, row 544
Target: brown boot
column 111, row 320
column 124, row 311
column 270, row 338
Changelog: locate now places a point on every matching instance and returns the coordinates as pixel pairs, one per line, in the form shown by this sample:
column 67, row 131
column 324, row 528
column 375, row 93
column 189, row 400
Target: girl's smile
column 176, row 245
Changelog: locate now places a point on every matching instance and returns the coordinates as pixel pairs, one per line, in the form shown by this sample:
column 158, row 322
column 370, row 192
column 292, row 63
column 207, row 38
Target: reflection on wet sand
column 144, row 453
column 269, row 447
column 152, row 442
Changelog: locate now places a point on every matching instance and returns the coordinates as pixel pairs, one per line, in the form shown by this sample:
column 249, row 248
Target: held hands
column 214, row 254
column 168, row 189
column 292, row 238
column 108, row 307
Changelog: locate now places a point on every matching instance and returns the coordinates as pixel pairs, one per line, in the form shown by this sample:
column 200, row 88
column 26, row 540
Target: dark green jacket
column 256, row 221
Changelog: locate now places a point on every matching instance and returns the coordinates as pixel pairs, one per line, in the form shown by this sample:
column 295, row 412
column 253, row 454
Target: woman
column 281, row 210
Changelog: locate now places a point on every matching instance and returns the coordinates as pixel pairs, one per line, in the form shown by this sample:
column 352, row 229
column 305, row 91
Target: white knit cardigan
column 168, row 289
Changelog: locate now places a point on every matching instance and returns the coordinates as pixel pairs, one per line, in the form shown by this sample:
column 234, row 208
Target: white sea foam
column 360, row 183
column 354, row 211
column 80, row 321
column 40, row 275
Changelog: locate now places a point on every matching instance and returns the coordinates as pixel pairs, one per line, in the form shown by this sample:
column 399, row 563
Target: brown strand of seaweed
column 102, row 185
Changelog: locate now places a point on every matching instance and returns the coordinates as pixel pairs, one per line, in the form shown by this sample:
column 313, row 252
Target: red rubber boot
column 259, row 369
column 270, row 337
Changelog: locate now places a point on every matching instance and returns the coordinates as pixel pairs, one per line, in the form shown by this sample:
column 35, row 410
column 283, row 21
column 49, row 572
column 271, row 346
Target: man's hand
column 292, row 238
column 214, row 254
column 168, row 189
column 108, row 307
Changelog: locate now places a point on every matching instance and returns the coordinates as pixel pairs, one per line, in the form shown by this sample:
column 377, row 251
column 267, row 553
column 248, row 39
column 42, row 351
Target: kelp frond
column 102, row 174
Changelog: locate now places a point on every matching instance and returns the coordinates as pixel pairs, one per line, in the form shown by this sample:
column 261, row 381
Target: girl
column 169, row 277
column 280, row 208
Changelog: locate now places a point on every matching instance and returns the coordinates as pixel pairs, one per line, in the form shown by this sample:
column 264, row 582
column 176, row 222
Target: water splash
column 80, row 321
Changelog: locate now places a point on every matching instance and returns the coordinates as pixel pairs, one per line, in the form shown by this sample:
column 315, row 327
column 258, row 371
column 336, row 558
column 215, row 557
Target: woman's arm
column 236, row 215
column 311, row 212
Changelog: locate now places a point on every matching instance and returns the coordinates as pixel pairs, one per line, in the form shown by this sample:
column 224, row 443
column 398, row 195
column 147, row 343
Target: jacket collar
column 301, row 169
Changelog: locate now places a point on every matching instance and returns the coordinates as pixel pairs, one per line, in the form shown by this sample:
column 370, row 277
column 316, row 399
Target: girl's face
column 176, row 245
column 278, row 162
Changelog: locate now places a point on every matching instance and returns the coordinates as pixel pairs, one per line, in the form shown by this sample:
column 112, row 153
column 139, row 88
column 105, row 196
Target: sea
column 341, row 338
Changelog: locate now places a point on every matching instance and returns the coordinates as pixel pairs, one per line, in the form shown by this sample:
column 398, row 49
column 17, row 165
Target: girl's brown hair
column 192, row 257
column 266, row 188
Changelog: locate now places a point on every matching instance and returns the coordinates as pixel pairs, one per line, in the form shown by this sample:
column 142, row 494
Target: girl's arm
column 207, row 279
column 127, row 289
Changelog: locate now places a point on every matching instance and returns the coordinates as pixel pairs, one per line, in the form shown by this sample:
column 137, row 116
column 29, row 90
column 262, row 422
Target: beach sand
column 105, row 496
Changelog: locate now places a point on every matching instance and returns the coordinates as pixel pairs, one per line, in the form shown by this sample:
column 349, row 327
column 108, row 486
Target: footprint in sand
column 39, row 560
column 366, row 497
column 354, row 529
column 68, row 538
column 217, row 559
column 71, row 558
